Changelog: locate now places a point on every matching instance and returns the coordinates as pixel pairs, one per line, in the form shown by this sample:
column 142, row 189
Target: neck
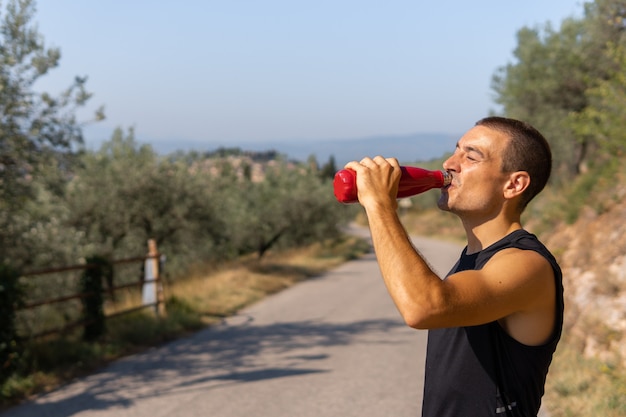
column 483, row 234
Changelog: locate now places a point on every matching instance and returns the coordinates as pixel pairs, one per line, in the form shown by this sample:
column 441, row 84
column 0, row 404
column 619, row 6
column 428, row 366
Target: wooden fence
column 150, row 282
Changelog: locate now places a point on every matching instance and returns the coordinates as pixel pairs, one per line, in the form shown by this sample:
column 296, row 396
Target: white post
column 152, row 288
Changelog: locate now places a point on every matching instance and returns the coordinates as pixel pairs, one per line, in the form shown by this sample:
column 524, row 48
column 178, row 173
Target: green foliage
column 36, row 128
column 545, row 84
column 550, row 80
column 11, row 296
column 199, row 209
column 603, row 119
column 62, row 354
column 221, row 153
column 125, row 194
column 329, row 169
column 291, row 207
column 143, row 328
column 91, row 284
column 590, row 189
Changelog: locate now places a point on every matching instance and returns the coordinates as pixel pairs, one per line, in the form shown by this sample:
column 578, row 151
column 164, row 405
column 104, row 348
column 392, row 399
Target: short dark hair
column 528, row 150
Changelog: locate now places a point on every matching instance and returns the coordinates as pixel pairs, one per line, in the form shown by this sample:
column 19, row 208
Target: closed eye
column 473, row 154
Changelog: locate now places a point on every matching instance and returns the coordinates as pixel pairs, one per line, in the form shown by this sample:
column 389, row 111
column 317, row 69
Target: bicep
column 512, row 281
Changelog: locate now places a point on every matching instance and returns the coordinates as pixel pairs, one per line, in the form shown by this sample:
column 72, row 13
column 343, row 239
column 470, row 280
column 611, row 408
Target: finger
column 367, row 161
column 387, row 162
column 379, row 159
column 353, row 165
column 393, row 162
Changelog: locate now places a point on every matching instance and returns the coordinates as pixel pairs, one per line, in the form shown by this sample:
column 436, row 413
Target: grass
column 563, row 204
column 579, row 386
column 192, row 303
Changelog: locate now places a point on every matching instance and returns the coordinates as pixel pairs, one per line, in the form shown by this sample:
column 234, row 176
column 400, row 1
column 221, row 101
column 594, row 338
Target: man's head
column 496, row 161
column 527, row 150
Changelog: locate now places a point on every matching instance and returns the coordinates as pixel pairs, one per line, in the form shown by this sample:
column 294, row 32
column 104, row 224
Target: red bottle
column 413, row 181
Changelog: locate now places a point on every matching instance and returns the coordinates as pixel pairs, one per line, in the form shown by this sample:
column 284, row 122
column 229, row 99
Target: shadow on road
column 222, row 355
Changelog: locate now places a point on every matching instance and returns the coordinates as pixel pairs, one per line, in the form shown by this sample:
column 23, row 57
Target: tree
column 291, row 207
column 36, row 129
column 104, row 191
column 603, row 119
column 547, row 82
column 125, row 193
column 553, row 72
column 329, row 169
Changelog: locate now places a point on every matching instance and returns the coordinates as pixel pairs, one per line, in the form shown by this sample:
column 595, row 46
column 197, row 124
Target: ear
column 517, row 183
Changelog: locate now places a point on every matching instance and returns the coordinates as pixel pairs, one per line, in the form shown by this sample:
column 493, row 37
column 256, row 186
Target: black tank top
column 480, row 371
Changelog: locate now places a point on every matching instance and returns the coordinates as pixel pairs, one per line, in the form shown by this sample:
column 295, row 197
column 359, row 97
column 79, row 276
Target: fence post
column 153, row 287
column 91, row 285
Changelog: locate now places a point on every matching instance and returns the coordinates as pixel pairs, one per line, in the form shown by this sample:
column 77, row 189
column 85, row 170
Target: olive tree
column 291, row 207
column 36, row 128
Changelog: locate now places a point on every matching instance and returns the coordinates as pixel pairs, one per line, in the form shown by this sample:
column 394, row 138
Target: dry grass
column 124, row 301
column 430, row 222
column 218, row 292
column 577, row 386
column 434, row 223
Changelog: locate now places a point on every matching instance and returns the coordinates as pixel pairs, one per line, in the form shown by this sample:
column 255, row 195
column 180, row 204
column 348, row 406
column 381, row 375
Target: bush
column 11, row 297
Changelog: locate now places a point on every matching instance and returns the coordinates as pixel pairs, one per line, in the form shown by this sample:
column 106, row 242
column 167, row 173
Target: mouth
column 448, row 182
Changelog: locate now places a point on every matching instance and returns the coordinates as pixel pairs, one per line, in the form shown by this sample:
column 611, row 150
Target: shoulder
column 520, row 264
column 520, row 249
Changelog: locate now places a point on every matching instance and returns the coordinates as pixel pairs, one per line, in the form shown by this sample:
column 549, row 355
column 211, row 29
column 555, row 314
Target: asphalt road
column 331, row 346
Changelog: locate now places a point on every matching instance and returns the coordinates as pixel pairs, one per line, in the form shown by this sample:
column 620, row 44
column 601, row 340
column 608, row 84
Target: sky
column 223, row 73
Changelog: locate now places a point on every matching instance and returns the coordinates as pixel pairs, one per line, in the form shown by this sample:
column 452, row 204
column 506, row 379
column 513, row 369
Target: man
column 495, row 320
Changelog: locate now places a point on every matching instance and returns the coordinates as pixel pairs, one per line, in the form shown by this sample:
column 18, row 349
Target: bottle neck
column 447, row 178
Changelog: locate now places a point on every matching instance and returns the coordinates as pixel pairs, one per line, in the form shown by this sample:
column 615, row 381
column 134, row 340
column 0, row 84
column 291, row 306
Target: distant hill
column 407, row 148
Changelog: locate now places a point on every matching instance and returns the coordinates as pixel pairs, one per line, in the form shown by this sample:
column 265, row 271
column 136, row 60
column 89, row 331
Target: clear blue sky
column 227, row 72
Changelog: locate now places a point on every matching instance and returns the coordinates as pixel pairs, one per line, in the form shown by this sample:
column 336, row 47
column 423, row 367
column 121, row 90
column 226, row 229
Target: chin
column 442, row 203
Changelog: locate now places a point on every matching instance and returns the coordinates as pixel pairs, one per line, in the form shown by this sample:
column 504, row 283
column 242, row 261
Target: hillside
column 592, row 253
column 410, row 147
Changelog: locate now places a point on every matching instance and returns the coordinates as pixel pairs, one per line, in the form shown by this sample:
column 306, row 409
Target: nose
column 450, row 164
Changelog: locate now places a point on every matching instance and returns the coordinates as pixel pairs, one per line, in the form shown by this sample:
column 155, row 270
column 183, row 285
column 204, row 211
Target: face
column 477, row 183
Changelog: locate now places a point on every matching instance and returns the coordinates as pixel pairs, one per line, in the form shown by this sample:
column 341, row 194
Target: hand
column 377, row 181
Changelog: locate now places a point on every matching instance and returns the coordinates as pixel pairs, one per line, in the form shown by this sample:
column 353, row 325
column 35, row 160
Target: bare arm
column 513, row 284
